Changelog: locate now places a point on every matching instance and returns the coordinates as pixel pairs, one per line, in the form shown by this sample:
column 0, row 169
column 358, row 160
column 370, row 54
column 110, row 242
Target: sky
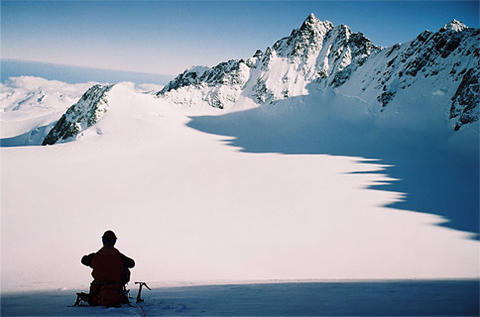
column 166, row 37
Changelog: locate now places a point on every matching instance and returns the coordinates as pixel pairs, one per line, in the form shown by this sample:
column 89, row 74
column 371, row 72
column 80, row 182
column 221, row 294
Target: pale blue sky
column 168, row 36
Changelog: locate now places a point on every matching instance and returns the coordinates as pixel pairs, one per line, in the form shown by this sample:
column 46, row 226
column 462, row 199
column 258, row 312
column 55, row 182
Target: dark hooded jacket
column 109, row 265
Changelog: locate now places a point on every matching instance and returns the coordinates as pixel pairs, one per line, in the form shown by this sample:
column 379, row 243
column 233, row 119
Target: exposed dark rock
column 391, row 62
column 86, row 112
column 465, row 102
column 261, row 93
column 385, row 98
column 226, row 73
column 342, row 76
column 258, row 54
column 330, row 55
column 392, row 49
column 304, row 40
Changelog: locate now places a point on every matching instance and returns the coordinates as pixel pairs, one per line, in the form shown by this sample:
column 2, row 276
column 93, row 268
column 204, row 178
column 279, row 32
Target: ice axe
column 81, row 297
column 140, row 285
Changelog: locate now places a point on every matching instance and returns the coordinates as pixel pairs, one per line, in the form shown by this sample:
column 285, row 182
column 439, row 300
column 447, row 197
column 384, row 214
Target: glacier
column 312, row 160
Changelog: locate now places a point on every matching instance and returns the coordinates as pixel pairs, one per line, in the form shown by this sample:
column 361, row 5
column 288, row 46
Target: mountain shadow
column 333, row 298
column 435, row 169
column 33, row 137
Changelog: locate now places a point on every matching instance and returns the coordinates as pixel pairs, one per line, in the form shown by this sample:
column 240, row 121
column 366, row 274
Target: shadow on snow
column 434, row 180
column 380, row 298
column 34, row 137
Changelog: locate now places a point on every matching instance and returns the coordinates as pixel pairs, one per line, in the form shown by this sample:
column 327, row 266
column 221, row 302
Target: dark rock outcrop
column 334, row 56
column 86, row 112
column 466, row 100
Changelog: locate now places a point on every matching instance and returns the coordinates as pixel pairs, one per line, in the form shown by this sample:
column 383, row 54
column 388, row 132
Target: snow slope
column 30, row 104
column 85, row 113
column 444, row 64
column 325, row 298
column 316, row 50
column 187, row 207
column 296, row 173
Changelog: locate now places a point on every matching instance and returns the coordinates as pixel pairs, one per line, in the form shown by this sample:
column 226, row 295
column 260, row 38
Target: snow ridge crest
column 327, row 56
column 317, row 49
column 455, row 26
column 91, row 107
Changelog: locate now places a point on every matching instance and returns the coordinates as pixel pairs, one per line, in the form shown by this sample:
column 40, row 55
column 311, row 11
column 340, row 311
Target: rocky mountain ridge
column 329, row 56
column 445, row 62
column 91, row 107
column 319, row 55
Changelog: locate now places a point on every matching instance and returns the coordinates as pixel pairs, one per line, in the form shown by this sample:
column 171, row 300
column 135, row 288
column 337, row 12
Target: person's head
column 109, row 239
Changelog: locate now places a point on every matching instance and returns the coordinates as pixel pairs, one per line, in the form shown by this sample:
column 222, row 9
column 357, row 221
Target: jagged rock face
column 227, row 73
column 86, row 112
column 333, row 56
column 315, row 50
column 184, row 79
column 357, row 49
column 447, row 59
column 232, row 74
column 304, row 41
column 465, row 102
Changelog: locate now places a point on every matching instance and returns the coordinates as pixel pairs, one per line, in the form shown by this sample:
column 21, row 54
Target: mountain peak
column 327, row 56
column 311, row 16
column 455, row 26
column 310, row 22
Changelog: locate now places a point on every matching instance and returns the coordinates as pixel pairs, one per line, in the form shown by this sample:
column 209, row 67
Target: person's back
column 110, row 272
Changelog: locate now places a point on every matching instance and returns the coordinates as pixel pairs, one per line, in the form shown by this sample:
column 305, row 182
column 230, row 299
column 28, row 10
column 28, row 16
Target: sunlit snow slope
column 324, row 157
column 30, row 104
column 443, row 65
column 285, row 201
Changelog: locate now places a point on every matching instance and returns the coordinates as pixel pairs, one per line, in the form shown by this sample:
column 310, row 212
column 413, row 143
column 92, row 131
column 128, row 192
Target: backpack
column 107, row 294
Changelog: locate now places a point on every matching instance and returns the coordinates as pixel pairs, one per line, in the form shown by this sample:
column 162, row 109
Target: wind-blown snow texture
column 445, row 62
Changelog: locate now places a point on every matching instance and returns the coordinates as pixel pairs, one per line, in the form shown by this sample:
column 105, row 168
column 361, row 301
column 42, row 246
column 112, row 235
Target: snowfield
column 327, row 298
column 313, row 187
column 32, row 102
column 324, row 175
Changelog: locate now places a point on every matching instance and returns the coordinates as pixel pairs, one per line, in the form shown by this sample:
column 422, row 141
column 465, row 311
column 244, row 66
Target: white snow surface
column 29, row 102
column 235, row 203
column 455, row 25
column 319, row 55
column 326, row 298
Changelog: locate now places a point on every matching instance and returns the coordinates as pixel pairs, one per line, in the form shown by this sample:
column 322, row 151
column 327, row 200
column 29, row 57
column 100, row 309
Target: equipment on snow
column 139, row 294
column 84, row 299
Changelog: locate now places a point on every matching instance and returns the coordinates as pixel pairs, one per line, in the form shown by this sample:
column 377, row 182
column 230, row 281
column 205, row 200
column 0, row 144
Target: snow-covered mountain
column 286, row 188
column 85, row 113
column 445, row 63
column 36, row 111
column 321, row 55
column 437, row 71
column 30, row 106
column 314, row 51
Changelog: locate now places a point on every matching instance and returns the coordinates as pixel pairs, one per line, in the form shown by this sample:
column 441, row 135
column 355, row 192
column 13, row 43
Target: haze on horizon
column 167, row 37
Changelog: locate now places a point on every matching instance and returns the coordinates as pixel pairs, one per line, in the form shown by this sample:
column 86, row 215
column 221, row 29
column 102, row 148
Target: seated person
column 110, row 273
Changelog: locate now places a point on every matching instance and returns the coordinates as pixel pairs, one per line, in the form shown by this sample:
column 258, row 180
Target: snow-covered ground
column 360, row 298
column 313, row 187
column 32, row 102
column 30, row 106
